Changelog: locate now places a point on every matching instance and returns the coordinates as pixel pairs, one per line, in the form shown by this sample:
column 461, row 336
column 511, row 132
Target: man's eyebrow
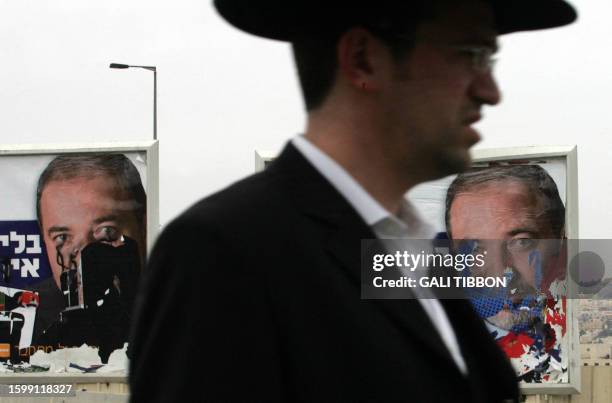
column 57, row 229
column 521, row 230
column 109, row 217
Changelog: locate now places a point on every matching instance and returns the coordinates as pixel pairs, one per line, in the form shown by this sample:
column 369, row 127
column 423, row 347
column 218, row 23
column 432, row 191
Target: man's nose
column 70, row 255
column 72, row 252
column 496, row 259
column 485, row 90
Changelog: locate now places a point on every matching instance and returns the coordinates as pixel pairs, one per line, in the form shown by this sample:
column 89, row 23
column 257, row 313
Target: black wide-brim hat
column 287, row 19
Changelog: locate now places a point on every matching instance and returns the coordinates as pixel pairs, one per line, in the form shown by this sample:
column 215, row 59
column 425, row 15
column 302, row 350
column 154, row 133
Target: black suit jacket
column 253, row 294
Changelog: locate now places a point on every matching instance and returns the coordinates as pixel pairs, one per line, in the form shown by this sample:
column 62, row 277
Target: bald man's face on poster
column 514, row 217
column 83, row 210
column 511, row 215
column 73, row 243
column 509, row 221
column 92, row 213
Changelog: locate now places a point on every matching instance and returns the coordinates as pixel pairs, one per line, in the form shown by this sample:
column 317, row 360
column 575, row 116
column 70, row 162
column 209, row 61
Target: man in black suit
column 253, row 294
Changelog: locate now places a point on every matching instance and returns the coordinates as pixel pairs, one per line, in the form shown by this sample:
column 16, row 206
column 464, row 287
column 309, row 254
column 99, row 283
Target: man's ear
column 361, row 59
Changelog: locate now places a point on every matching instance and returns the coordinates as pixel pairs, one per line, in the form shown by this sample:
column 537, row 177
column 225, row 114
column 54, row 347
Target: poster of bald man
column 518, row 208
column 75, row 226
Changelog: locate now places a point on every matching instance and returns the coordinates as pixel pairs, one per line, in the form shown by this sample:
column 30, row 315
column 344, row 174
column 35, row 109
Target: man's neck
column 361, row 158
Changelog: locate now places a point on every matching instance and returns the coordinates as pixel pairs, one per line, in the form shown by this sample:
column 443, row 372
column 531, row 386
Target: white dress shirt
column 407, row 224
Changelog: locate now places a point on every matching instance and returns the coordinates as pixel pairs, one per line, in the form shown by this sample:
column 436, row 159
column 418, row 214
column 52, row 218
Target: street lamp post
column 154, row 70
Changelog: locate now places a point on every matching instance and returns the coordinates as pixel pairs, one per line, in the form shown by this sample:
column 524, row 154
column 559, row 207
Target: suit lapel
column 344, row 245
column 344, row 229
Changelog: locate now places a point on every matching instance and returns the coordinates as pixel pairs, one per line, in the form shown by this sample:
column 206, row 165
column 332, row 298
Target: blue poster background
column 22, row 250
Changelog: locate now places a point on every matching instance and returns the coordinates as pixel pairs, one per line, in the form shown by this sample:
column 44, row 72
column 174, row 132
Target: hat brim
column 529, row 15
column 286, row 19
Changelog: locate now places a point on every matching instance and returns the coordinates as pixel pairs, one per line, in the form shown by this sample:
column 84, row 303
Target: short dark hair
column 117, row 166
column 316, row 56
column 538, row 181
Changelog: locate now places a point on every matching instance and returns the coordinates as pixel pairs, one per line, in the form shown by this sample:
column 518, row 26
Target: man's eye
column 481, row 57
column 522, row 244
column 107, row 233
column 59, row 240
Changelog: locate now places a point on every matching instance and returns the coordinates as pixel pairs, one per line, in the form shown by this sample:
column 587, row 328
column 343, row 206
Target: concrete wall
column 596, row 388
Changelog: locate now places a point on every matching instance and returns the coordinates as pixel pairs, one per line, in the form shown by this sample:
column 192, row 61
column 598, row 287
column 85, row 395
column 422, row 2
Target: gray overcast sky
column 223, row 94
